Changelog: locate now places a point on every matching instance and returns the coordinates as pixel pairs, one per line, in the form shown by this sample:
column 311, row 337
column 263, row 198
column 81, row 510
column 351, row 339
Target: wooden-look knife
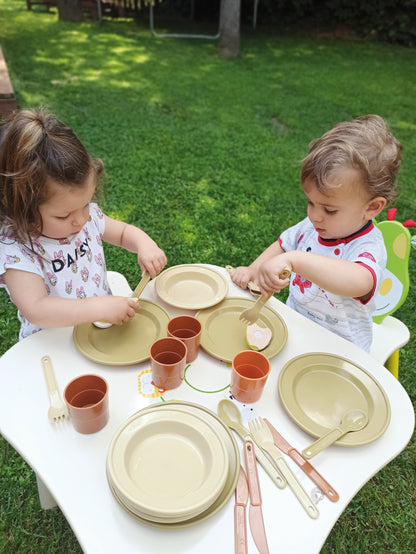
column 241, row 501
column 255, row 514
column 306, row 466
column 140, row 287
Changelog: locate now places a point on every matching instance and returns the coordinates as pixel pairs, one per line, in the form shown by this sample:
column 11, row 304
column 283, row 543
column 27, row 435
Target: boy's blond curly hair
column 364, row 144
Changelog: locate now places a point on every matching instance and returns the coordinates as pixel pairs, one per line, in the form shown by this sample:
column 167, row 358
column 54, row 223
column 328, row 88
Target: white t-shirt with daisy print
column 70, row 268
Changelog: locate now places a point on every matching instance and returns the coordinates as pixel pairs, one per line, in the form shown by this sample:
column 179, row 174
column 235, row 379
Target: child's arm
column 149, row 256
column 28, row 293
column 341, row 277
column 243, row 274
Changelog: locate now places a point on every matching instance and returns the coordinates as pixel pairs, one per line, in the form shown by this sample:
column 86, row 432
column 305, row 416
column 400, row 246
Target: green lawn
column 204, row 154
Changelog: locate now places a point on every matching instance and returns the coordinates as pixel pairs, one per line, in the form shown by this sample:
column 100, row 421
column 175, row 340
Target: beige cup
column 87, row 400
column 249, row 373
column 167, row 360
column 188, row 329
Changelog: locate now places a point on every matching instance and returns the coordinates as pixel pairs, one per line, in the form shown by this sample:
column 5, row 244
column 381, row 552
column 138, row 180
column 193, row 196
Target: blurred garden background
column 204, row 153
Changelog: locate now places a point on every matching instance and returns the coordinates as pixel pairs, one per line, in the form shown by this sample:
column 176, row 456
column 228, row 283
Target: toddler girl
column 51, row 255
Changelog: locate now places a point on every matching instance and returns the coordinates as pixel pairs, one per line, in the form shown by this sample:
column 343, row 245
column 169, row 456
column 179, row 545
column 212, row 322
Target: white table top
column 72, row 465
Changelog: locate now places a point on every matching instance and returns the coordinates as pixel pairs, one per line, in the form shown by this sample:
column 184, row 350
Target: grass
column 203, row 153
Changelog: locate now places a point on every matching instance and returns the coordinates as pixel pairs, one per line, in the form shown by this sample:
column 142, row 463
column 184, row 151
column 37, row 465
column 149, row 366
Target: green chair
column 389, row 333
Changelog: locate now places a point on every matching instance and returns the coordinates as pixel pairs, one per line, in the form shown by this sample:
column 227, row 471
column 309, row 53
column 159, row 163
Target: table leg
column 47, row 501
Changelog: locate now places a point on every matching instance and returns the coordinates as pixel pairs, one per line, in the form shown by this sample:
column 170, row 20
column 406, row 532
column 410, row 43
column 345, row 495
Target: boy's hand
column 269, row 275
column 117, row 309
column 241, row 276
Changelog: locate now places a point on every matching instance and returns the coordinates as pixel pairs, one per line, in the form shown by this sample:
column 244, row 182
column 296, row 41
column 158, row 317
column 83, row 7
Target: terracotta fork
column 252, row 314
column 58, row 410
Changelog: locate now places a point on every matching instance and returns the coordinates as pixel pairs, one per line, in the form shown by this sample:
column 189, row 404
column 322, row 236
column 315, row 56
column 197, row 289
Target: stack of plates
column 173, row 465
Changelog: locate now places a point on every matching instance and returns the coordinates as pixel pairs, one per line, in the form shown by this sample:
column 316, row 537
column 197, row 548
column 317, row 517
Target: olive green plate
column 224, row 334
column 123, row 344
column 191, row 286
column 317, row 389
column 233, row 465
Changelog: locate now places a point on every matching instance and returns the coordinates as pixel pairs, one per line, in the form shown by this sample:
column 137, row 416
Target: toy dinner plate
column 123, row 344
column 168, row 465
column 224, row 334
column 191, row 287
column 232, row 451
column 317, row 389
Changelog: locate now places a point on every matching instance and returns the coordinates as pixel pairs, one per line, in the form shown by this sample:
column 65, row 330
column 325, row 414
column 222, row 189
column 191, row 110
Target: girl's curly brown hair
column 35, row 146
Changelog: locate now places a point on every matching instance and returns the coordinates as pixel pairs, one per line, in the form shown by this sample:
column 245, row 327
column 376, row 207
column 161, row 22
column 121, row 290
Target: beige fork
column 263, row 437
column 252, row 314
column 58, row 410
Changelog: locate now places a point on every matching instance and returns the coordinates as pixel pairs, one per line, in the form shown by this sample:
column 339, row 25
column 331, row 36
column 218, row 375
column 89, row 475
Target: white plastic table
column 71, row 467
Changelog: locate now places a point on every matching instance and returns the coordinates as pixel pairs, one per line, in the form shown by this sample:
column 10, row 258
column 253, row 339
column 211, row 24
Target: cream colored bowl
column 167, row 465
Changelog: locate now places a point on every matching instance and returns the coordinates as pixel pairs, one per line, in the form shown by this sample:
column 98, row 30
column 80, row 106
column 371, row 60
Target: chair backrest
column 395, row 286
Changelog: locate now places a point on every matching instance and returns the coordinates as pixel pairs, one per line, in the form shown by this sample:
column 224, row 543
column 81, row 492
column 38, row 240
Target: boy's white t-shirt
column 348, row 317
column 70, row 268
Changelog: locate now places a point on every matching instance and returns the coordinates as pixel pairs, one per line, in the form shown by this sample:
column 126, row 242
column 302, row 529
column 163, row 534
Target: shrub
column 384, row 20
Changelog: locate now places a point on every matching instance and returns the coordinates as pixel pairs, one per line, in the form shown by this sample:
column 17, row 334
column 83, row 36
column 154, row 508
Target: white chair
column 389, row 333
column 388, row 337
column 118, row 284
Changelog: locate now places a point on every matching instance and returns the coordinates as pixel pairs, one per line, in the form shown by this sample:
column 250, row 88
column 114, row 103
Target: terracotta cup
column 188, row 329
column 249, row 373
column 167, row 360
column 87, row 399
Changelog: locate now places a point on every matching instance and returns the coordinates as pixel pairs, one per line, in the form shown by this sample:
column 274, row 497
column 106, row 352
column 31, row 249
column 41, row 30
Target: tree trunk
column 229, row 42
column 70, row 10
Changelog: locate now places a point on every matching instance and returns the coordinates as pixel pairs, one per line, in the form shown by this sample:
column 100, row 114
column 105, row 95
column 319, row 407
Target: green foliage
column 386, row 20
column 203, row 154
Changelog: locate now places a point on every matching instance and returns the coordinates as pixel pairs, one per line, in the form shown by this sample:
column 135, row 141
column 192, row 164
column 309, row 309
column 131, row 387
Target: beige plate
column 123, row 344
column 233, row 465
column 184, row 483
column 224, row 334
column 168, row 464
column 191, row 287
column 317, row 389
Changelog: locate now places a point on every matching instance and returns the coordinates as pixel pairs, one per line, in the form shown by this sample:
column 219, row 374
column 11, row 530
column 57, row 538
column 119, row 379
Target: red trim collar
column 334, row 242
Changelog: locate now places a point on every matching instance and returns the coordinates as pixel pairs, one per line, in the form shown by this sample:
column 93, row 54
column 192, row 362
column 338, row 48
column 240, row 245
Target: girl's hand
column 241, row 276
column 269, row 275
column 151, row 259
column 117, row 309
column 149, row 256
